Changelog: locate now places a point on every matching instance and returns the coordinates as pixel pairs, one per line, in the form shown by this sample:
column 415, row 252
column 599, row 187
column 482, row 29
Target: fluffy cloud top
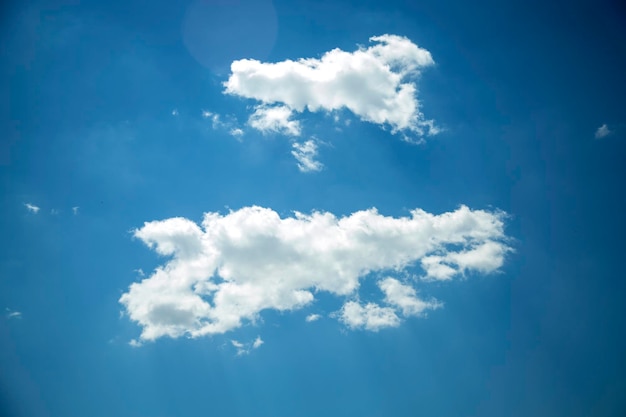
column 376, row 83
column 224, row 272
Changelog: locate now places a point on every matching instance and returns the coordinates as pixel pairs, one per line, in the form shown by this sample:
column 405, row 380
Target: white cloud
column 312, row 317
column 404, row 297
column 75, row 210
column 603, row 131
column 12, row 314
column 377, row 83
column 223, row 273
column 32, row 208
column 275, row 119
column 370, row 317
column 175, row 112
column 227, row 123
column 215, row 119
column 245, row 348
column 305, row 153
column 236, row 132
column 483, row 257
column 257, row 342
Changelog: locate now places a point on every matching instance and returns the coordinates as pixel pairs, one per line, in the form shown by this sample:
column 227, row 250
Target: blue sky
column 238, row 208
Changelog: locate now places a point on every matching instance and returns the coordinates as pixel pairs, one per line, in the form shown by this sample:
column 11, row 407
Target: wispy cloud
column 246, row 348
column 274, row 119
column 75, row 210
column 306, row 154
column 227, row 123
column 602, row 132
column 32, row 208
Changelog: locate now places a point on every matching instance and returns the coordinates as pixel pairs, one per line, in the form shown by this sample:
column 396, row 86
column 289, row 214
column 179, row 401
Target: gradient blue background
column 87, row 91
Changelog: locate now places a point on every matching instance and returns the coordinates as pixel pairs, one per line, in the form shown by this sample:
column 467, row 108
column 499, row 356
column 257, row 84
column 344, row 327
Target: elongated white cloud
column 32, row 208
column 306, row 154
column 377, row 84
column 245, row 348
column 223, row 273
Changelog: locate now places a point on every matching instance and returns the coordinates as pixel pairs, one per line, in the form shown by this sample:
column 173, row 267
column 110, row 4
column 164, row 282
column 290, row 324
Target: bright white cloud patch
column 404, row 297
column 276, row 119
column 602, row 132
column 224, row 272
column 371, row 316
column 306, row 154
column 32, row 208
column 219, row 122
column 312, row 317
column 378, row 84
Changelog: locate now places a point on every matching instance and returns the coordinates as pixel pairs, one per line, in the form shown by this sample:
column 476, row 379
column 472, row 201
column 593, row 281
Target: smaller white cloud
column 75, row 210
column 369, row 317
column 219, row 122
column 404, row 297
column 175, row 112
column 312, row 317
column 216, row 120
column 274, row 119
column 305, row 153
column 435, row 268
column 236, row 132
column 139, row 272
column 486, row 257
column 377, row 84
column 257, row 342
column 54, row 212
column 12, row 314
column 135, row 343
column 32, row 208
column 603, row 131
column 245, row 348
